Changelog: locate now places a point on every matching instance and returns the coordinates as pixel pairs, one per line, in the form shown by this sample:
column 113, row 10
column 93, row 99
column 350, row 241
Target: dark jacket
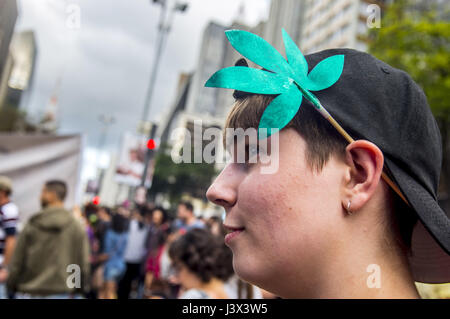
column 47, row 249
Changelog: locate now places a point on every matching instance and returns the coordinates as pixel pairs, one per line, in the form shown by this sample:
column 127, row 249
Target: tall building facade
column 338, row 24
column 215, row 53
column 322, row 24
column 225, row 98
column 211, row 57
column 8, row 17
column 284, row 14
column 24, row 52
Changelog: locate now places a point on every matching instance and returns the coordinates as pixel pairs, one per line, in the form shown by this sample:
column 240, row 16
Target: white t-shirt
column 9, row 216
column 135, row 250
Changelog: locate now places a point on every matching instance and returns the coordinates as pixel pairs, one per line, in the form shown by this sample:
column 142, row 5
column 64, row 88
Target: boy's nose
column 223, row 192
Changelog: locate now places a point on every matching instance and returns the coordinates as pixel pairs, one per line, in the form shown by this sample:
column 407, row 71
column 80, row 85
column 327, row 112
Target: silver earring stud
column 348, row 208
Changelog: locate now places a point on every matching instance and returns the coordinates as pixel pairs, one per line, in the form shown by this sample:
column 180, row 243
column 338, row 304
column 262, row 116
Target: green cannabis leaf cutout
column 287, row 78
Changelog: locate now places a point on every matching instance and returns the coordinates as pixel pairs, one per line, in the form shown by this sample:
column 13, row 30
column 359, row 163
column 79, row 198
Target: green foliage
column 176, row 180
column 419, row 43
column 12, row 120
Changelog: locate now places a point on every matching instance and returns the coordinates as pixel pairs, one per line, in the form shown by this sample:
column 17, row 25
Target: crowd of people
column 126, row 252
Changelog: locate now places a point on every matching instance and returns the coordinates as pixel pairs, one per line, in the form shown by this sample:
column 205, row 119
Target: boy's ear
column 365, row 161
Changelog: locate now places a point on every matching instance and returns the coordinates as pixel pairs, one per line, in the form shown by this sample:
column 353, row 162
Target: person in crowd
column 100, row 227
column 88, row 221
column 115, row 243
column 234, row 287
column 186, row 218
column 9, row 215
column 135, row 252
column 156, row 245
column 214, row 224
column 202, row 265
column 52, row 246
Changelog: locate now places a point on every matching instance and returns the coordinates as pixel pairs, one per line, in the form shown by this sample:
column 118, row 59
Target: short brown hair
column 187, row 205
column 322, row 142
column 58, row 187
column 203, row 254
column 321, row 137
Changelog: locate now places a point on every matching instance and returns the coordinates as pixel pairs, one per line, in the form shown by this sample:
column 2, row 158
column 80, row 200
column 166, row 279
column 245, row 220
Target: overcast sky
column 104, row 65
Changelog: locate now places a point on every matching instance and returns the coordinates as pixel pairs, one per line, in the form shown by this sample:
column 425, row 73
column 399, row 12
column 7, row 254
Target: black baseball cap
column 381, row 104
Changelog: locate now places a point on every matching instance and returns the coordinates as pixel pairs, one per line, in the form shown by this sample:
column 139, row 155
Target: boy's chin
column 247, row 270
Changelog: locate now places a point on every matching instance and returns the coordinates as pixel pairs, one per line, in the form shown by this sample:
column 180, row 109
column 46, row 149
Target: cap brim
column 430, row 259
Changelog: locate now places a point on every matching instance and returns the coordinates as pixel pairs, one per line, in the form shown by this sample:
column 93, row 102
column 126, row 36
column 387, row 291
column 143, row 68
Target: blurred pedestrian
column 100, row 227
column 9, row 215
column 234, row 287
column 214, row 224
column 114, row 251
column 135, row 252
column 52, row 246
column 156, row 245
column 202, row 265
column 186, row 218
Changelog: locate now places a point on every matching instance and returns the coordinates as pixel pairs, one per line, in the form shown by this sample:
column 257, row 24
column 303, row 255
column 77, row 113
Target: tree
column 175, row 180
column 13, row 120
column 417, row 40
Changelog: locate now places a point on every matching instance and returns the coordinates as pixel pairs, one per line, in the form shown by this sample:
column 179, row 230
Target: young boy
column 326, row 224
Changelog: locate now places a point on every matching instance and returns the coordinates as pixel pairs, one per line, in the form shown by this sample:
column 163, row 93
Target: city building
column 224, row 98
column 24, row 53
column 338, row 24
column 169, row 119
column 322, row 24
column 191, row 133
column 287, row 14
column 211, row 58
column 8, row 17
column 215, row 53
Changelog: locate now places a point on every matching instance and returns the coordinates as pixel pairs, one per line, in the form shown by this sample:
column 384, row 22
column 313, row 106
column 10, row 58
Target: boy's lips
column 232, row 232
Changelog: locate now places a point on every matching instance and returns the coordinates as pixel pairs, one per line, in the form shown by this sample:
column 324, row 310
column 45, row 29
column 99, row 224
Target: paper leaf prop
column 325, row 73
column 295, row 57
column 259, row 51
column 289, row 79
column 281, row 110
column 249, row 80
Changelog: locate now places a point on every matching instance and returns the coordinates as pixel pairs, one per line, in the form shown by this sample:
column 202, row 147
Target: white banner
column 31, row 160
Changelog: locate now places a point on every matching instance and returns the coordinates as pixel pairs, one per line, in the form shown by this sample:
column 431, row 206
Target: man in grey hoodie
column 51, row 259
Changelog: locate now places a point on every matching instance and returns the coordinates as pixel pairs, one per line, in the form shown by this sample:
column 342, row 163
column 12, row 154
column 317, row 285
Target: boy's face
column 290, row 219
column 47, row 197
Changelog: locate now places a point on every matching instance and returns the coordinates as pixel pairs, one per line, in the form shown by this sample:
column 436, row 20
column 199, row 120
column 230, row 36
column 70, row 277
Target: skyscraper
column 215, row 53
column 8, row 17
column 321, row 24
column 287, row 14
column 338, row 24
column 24, row 52
column 210, row 59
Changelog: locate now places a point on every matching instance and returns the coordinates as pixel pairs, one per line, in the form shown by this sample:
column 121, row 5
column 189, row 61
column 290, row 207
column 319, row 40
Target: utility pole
column 163, row 30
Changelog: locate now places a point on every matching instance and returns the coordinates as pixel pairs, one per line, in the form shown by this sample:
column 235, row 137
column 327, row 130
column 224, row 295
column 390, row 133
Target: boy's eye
column 251, row 152
column 251, row 156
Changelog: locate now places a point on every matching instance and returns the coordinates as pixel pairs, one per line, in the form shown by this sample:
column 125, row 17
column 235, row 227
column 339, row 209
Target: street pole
column 148, row 155
column 163, row 31
column 156, row 61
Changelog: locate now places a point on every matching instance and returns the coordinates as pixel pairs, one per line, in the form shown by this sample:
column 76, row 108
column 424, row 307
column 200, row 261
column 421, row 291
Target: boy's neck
column 364, row 277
